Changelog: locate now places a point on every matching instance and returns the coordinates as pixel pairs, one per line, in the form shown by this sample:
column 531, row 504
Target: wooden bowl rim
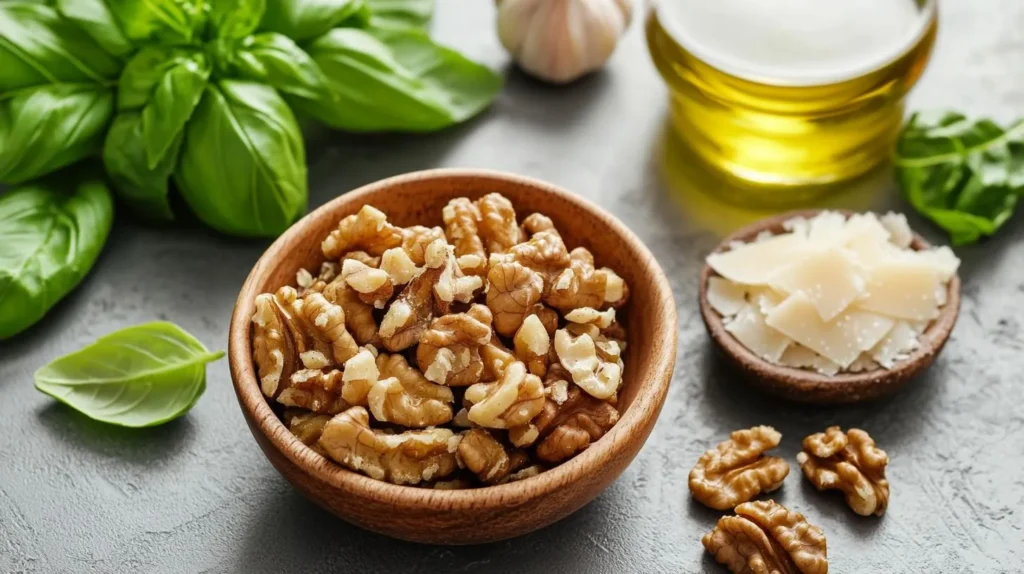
column 810, row 383
column 653, row 385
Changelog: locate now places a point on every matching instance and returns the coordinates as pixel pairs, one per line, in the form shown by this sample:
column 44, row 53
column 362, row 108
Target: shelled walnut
column 849, row 462
column 766, row 537
column 736, row 470
column 473, row 354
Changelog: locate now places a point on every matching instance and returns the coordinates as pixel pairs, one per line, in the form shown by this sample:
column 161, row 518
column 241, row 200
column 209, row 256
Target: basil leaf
column 141, row 376
column 401, row 13
column 963, row 175
column 236, row 18
column 143, row 189
column 277, row 61
column 43, row 129
column 243, row 165
column 396, row 80
column 51, row 232
column 95, row 18
column 167, row 83
column 306, row 19
column 160, row 21
column 38, row 47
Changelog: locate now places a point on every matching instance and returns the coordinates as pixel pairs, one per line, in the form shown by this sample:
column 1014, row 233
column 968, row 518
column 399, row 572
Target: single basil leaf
column 305, row 19
column 243, row 166
column 167, row 83
column 140, row 376
column 964, row 175
column 51, row 232
column 143, row 189
column 38, row 47
column 160, row 21
column 401, row 13
column 236, row 18
column 46, row 128
column 277, row 61
column 95, row 18
column 396, row 80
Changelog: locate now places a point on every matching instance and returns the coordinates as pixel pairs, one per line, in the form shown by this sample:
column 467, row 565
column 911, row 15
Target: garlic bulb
column 561, row 40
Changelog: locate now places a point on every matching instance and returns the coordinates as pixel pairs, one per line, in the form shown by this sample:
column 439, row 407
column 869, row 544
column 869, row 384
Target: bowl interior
column 417, row 199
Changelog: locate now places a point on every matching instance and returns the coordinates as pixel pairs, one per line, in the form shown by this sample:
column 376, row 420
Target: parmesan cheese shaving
column 755, row 263
column 725, row 296
column 841, row 339
column 750, row 329
column 826, row 277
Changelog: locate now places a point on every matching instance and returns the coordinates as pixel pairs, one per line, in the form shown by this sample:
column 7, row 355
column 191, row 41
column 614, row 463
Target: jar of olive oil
column 784, row 94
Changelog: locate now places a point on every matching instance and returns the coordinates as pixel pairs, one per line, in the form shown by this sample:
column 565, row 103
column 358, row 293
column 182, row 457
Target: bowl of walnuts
column 453, row 356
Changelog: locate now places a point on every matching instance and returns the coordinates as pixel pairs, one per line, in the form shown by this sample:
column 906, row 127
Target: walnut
column 528, row 472
column 306, row 426
column 544, row 253
column 323, row 326
column 484, row 456
column 532, row 344
column 415, row 240
column 398, row 265
column 460, row 220
column 410, row 313
column 591, row 316
column 594, row 373
column 367, row 230
column 373, row 285
column 449, row 351
column 512, row 290
column 362, row 257
column 358, row 378
column 567, row 425
column 512, row 401
column 498, row 227
column 315, row 390
column 581, row 285
column 548, row 317
column 496, row 358
column 404, row 458
column 273, row 343
column 453, row 285
column 736, row 470
column 766, row 537
column 454, row 484
column 536, row 222
column 403, row 396
column 849, row 462
column 358, row 315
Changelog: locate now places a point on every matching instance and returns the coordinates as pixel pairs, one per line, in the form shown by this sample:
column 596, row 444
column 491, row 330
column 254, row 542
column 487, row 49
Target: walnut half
column 766, row 537
column 736, row 470
column 849, row 462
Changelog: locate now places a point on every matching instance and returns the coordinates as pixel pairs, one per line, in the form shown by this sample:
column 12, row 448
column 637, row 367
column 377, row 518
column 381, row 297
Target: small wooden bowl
column 808, row 386
column 497, row 512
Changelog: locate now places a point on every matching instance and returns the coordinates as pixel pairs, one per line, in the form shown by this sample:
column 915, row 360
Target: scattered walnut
column 736, row 470
column 512, row 290
column 568, row 427
column 398, row 265
column 532, row 345
column 766, row 537
column 449, row 351
column 484, row 456
column 362, row 257
column 373, row 285
column 595, row 375
column 358, row 377
column 460, row 220
column 358, row 315
column 512, row 401
column 415, row 240
column 410, row 457
column 498, row 227
column 581, row 285
column 849, row 462
column 367, row 230
column 316, row 390
column 536, row 222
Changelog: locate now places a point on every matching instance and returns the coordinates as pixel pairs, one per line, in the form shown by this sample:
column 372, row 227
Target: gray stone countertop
column 197, row 495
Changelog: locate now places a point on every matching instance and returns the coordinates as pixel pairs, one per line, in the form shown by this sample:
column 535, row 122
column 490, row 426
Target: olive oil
column 783, row 94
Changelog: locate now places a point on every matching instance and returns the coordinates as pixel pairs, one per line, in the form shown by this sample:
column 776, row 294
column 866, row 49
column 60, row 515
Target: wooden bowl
column 496, row 512
column 812, row 387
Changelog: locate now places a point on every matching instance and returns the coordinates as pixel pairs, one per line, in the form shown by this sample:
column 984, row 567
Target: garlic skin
column 561, row 40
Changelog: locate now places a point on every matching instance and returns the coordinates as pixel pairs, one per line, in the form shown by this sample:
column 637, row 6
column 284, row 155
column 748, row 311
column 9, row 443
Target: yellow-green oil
column 790, row 95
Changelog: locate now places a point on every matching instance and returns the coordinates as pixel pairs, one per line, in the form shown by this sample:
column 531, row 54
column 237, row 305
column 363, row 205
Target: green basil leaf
column 236, row 18
column 160, row 21
column 963, row 175
column 243, row 165
column 140, row 376
column 51, row 232
column 306, row 19
column 401, row 13
column 95, row 18
column 277, row 61
column 166, row 83
column 143, row 189
column 43, row 129
column 396, row 80
column 38, row 47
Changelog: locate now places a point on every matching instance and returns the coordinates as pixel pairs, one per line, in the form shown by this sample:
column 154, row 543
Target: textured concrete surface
column 197, row 495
